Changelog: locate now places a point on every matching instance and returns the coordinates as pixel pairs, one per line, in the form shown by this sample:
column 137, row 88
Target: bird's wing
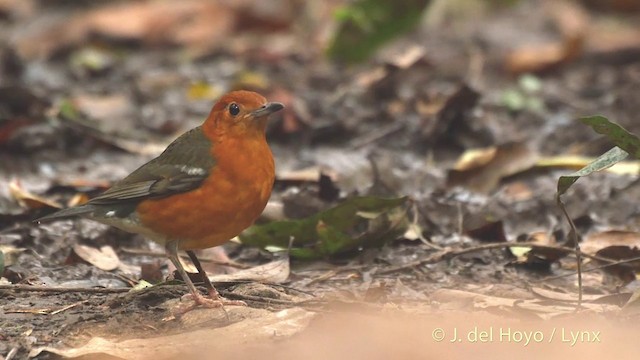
column 181, row 167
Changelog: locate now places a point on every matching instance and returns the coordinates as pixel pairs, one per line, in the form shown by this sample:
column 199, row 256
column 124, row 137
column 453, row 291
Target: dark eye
column 234, row 109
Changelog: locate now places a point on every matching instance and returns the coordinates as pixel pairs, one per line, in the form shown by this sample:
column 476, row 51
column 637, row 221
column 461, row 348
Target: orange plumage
column 235, row 192
column 205, row 188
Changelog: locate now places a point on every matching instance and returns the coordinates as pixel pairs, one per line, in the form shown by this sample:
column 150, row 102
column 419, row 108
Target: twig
column 327, row 275
column 12, row 353
column 46, row 311
column 451, row 253
column 259, row 299
column 613, row 263
column 307, row 304
column 61, row 289
column 67, row 307
column 377, row 134
column 573, row 234
column 284, row 287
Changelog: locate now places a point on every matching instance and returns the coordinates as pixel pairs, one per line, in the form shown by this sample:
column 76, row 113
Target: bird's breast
column 228, row 201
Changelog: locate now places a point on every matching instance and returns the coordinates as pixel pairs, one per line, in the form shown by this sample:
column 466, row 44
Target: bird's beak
column 267, row 109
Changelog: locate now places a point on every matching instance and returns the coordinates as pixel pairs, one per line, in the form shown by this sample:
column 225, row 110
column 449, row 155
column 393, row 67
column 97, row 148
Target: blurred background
column 468, row 107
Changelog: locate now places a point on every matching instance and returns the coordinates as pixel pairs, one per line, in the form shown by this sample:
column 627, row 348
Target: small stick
column 61, row 289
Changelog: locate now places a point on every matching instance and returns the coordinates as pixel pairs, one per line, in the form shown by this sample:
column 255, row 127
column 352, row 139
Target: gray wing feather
column 180, row 168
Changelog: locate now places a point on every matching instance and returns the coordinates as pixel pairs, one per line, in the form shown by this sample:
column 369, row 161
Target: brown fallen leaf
column 77, row 199
column 482, row 169
column 29, row 200
column 572, row 22
column 372, row 78
column 187, row 22
column 103, row 258
column 614, row 41
column 484, row 230
column 450, row 114
column 614, row 244
column 16, row 8
column 539, row 257
column 198, row 25
column 518, row 191
column 295, row 116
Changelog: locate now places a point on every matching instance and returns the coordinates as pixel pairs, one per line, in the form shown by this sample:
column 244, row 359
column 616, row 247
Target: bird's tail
column 66, row 213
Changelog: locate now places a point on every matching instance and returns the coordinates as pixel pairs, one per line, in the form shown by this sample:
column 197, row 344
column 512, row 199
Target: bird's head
column 240, row 113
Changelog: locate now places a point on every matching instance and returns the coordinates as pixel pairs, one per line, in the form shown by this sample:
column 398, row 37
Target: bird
column 205, row 188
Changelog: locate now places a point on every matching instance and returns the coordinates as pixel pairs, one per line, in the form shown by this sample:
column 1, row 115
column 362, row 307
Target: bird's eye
column 234, row 109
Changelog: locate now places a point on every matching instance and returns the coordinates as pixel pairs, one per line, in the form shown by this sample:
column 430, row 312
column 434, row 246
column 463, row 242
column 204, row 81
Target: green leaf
column 627, row 143
column 616, row 133
column 68, row 110
column 604, row 161
column 365, row 25
column 357, row 222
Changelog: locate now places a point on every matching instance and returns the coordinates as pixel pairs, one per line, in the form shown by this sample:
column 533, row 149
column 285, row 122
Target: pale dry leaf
column 113, row 111
column 104, row 258
column 576, row 162
column 481, row 169
column 28, row 200
column 274, row 211
column 10, row 253
column 408, row 57
column 275, row 272
column 309, row 174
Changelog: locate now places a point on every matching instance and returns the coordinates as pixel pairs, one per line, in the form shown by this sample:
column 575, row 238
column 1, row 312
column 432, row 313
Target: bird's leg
column 213, row 293
column 172, row 252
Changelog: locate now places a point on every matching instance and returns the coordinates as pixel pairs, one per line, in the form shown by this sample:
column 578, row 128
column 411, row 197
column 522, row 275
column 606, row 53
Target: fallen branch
column 46, row 311
column 62, row 289
column 610, row 264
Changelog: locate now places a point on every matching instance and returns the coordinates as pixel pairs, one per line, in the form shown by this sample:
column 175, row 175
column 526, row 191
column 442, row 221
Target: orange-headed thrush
column 205, row 188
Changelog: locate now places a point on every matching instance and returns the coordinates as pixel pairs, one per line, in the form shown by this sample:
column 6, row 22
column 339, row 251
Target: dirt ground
column 91, row 90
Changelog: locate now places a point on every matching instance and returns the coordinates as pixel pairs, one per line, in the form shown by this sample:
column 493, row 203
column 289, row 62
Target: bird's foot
column 214, row 300
column 215, row 296
column 200, row 300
